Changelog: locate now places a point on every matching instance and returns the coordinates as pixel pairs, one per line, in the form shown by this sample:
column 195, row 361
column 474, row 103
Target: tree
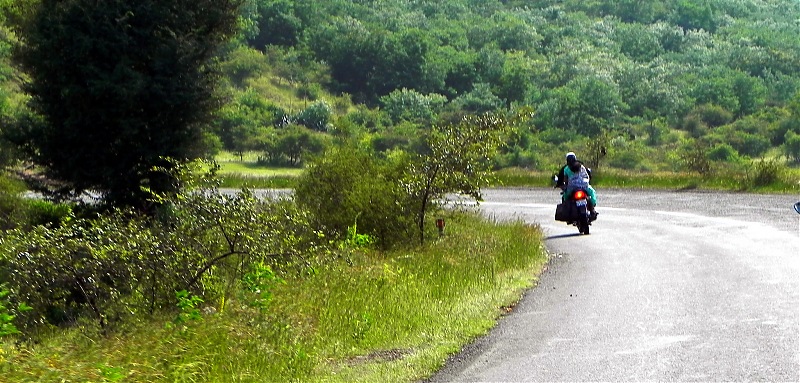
column 410, row 105
column 479, row 100
column 694, row 14
column 457, row 160
column 121, row 85
column 277, row 24
column 791, row 146
column 294, row 142
column 587, row 105
column 316, row 116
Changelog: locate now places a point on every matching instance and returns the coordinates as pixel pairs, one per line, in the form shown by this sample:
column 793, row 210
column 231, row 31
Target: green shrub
column 316, row 116
column 350, row 186
column 723, row 152
column 749, row 144
column 628, row 159
column 713, row 115
column 764, row 173
column 309, row 91
column 556, row 136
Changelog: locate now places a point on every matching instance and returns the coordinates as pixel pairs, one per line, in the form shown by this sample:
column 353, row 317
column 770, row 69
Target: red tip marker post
column 440, row 226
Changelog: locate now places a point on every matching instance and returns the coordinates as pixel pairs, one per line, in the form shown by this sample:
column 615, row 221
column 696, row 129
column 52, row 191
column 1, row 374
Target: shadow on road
column 563, row 236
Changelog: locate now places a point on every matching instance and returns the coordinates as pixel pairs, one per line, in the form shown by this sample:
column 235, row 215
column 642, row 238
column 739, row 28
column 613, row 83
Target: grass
column 244, row 171
column 238, row 172
column 362, row 316
column 787, row 181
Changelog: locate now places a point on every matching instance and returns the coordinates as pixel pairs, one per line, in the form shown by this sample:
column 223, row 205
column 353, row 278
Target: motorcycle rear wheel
column 583, row 225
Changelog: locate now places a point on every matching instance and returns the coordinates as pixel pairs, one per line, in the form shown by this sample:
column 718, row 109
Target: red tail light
column 580, row 194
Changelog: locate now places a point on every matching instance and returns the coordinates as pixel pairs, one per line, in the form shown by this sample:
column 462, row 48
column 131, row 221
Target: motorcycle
column 574, row 209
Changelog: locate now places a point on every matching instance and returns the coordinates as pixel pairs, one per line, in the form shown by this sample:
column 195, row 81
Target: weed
column 111, row 374
column 188, row 306
column 7, row 316
column 260, row 281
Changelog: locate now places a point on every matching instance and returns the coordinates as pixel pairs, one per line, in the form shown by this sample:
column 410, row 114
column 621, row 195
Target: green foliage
column 479, row 100
column 410, row 105
column 791, row 146
column 350, row 184
column 316, row 116
column 12, row 211
column 586, row 106
column 723, row 152
column 432, row 298
column 655, row 132
column 277, row 23
column 712, row 115
column 629, row 158
column 764, row 173
column 457, row 159
column 7, row 313
column 694, row 14
column 749, row 144
column 291, row 145
column 242, row 64
column 188, row 306
column 260, row 281
column 355, row 240
column 695, row 157
column 121, row 85
column 120, row 264
column 584, row 66
column 596, row 149
column 111, row 374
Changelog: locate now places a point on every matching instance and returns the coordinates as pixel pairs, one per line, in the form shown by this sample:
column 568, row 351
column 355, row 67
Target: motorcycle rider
column 574, row 175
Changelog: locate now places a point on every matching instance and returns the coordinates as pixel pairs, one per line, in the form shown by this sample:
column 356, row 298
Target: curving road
column 670, row 286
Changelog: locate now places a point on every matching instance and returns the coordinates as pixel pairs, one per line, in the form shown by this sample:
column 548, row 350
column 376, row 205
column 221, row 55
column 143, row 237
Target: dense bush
column 350, row 187
column 765, row 173
column 722, row 152
column 316, row 116
column 291, row 145
column 628, row 158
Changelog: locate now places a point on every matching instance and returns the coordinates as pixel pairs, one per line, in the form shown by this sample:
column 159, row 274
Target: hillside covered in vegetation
column 653, row 83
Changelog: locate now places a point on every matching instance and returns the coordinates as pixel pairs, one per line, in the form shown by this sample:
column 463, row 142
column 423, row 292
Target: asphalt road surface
column 669, row 286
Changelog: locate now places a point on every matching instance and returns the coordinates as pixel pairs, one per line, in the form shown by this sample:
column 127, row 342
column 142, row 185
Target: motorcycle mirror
column 797, row 207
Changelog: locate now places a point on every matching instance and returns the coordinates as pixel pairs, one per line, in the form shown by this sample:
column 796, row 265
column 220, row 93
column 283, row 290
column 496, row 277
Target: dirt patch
column 379, row 356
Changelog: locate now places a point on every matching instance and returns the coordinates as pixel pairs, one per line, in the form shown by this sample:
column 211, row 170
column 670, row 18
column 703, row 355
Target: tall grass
column 360, row 315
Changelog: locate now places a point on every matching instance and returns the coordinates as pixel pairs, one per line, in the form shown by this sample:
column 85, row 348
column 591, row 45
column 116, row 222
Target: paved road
column 670, row 286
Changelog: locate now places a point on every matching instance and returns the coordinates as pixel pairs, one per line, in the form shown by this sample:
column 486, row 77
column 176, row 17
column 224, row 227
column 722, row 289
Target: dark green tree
column 694, row 14
column 295, row 142
column 121, row 85
column 277, row 24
